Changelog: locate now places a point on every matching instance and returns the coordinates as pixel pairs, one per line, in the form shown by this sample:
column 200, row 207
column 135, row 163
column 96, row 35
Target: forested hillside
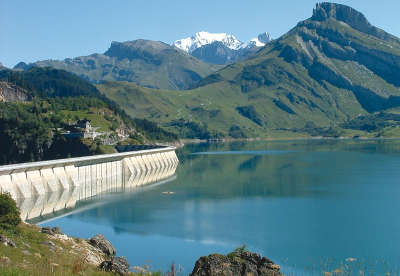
column 34, row 129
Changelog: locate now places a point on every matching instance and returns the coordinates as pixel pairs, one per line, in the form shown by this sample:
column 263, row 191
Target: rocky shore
column 239, row 262
column 99, row 254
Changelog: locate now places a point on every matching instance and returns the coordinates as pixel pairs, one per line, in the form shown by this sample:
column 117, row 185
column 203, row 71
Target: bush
column 250, row 113
column 9, row 212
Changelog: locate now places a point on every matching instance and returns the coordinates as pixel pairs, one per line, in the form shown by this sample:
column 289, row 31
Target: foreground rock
column 240, row 262
column 52, row 231
column 6, row 241
column 103, row 244
column 117, row 265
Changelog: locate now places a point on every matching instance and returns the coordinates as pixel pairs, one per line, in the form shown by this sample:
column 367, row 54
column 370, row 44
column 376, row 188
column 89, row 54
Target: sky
column 49, row 29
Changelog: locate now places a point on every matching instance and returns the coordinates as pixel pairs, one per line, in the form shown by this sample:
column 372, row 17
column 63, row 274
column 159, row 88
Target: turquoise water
column 307, row 205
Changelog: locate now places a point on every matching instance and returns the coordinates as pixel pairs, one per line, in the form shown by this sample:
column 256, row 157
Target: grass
column 31, row 257
column 101, row 118
column 155, row 65
column 272, row 76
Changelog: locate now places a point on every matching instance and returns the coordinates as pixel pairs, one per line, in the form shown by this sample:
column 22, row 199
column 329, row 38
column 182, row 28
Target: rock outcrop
column 6, row 241
column 117, row 265
column 239, row 262
column 52, row 231
column 350, row 16
column 103, row 244
column 12, row 93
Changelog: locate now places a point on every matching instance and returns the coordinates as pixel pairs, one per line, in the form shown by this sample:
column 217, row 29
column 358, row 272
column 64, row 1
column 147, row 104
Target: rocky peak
column 264, row 37
column 351, row 17
column 137, row 49
column 339, row 12
column 21, row 66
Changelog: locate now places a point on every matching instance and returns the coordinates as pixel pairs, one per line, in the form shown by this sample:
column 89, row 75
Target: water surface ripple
column 308, row 205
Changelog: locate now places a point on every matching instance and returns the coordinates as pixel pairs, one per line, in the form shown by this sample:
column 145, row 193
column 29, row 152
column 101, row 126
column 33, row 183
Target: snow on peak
column 190, row 44
column 259, row 41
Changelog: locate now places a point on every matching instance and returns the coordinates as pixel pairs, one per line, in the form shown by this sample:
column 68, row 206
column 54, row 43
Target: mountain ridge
column 221, row 48
column 148, row 63
column 322, row 73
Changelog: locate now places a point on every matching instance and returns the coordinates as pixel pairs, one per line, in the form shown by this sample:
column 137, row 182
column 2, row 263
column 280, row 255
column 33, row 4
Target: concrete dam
column 41, row 188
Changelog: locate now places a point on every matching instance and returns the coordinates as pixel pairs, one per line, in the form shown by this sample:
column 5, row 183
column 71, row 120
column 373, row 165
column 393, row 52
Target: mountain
column 216, row 53
column 220, row 48
column 21, row 66
column 145, row 62
column 39, row 105
column 260, row 41
column 200, row 39
column 332, row 74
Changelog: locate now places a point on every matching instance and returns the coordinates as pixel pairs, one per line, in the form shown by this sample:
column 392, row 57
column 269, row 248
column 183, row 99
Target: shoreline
column 183, row 142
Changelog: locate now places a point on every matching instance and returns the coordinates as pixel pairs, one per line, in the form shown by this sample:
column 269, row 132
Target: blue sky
column 49, row 29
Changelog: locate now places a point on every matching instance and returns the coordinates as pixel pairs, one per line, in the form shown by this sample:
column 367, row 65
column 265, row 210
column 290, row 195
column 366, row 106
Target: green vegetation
column 33, row 257
column 32, row 254
column 32, row 131
column 250, row 113
column 232, row 255
column 373, row 122
column 9, row 213
column 322, row 71
column 147, row 63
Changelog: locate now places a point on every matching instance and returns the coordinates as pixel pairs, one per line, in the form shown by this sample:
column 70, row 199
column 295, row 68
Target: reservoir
column 311, row 206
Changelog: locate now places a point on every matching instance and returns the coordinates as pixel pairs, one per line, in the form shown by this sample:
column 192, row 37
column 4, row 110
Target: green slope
column 31, row 129
column 325, row 72
column 144, row 62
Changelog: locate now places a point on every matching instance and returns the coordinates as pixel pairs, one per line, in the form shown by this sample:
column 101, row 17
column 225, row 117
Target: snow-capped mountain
column 200, row 39
column 259, row 41
column 190, row 44
column 220, row 48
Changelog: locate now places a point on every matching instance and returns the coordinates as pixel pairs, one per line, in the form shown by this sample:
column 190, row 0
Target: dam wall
column 44, row 187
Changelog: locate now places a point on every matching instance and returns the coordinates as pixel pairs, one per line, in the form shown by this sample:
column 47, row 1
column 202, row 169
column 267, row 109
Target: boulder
column 52, row 231
column 6, row 241
column 240, row 262
column 117, row 265
column 100, row 242
column 50, row 244
column 57, row 230
column 47, row 230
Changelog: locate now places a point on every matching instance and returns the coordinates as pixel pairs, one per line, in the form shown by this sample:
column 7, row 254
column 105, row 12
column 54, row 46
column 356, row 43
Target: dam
column 41, row 188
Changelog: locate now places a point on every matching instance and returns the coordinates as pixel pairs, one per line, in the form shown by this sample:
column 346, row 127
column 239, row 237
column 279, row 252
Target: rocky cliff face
column 12, row 93
column 350, row 16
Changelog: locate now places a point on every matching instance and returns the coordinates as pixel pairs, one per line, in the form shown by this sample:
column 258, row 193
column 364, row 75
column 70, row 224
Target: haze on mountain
column 147, row 63
column 333, row 72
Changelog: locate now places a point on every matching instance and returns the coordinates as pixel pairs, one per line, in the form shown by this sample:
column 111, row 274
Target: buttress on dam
column 42, row 188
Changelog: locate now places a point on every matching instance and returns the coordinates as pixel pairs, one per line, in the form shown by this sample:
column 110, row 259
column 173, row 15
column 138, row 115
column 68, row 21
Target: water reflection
column 313, row 200
column 64, row 201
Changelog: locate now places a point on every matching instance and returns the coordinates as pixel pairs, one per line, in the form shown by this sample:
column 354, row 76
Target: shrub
column 9, row 212
column 250, row 113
